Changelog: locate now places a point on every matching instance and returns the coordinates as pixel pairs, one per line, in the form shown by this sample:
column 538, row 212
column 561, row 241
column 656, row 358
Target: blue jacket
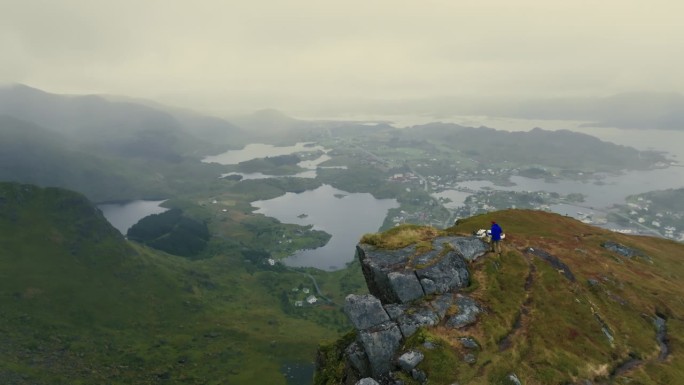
column 496, row 232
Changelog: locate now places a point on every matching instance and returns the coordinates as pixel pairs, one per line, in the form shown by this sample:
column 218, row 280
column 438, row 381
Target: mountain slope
column 81, row 305
column 35, row 155
column 108, row 150
column 566, row 303
column 121, row 128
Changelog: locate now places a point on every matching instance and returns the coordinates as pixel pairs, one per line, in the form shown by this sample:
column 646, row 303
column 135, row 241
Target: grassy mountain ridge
column 561, row 305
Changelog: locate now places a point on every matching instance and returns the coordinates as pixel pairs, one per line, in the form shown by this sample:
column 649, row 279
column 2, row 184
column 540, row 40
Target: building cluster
column 641, row 212
column 309, row 299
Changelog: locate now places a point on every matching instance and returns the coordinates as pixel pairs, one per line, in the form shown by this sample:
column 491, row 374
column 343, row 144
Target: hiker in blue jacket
column 496, row 237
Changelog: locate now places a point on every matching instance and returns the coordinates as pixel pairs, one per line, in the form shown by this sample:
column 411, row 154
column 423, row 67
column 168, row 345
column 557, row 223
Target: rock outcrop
column 409, row 289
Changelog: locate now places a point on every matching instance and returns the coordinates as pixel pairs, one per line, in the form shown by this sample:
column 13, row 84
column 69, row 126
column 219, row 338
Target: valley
column 237, row 310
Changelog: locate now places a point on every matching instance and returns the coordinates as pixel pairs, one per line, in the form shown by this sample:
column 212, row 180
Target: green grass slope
column 546, row 328
column 81, row 305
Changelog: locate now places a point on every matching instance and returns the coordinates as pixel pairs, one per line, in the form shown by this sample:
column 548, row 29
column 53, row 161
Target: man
column 496, row 237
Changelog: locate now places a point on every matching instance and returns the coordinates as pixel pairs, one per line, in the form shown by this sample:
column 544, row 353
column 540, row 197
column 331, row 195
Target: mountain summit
column 565, row 303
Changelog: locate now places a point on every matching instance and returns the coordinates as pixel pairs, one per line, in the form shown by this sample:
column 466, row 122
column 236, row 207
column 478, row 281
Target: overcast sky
column 226, row 55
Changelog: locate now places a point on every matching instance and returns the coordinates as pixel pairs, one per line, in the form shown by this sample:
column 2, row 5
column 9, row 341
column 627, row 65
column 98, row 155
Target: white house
column 311, row 299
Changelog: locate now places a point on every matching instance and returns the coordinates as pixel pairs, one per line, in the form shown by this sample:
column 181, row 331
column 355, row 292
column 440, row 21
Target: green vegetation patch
column 171, row 232
column 402, row 236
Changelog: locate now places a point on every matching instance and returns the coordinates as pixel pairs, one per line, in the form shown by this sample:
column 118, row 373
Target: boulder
column 419, row 375
column 446, row 268
column 419, row 316
column 367, row 381
column 399, row 276
column 409, row 360
column 553, row 261
column 380, row 343
column 469, row 343
column 621, row 249
column 357, row 359
column 376, row 265
column 514, row 379
column 441, row 304
column 405, row 286
column 470, row 247
column 429, row 286
column 468, row 309
column 395, row 310
column 469, row 358
column 364, row 311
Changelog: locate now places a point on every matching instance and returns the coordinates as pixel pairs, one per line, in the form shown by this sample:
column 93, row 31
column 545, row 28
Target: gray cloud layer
column 232, row 55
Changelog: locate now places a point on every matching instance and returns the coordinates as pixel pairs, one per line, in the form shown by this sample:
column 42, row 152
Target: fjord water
column 346, row 216
column 609, row 190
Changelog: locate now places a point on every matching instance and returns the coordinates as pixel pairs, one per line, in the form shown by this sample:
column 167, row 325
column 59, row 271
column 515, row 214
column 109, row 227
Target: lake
column 260, row 150
column 124, row 215
column 345, row 216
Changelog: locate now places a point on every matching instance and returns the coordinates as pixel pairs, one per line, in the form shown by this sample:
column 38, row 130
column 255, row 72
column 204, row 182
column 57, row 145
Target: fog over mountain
column 633, row 110
column 309, row 57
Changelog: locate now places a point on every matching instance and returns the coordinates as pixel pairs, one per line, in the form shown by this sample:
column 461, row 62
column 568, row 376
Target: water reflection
column 124, row 215
column 345, row 216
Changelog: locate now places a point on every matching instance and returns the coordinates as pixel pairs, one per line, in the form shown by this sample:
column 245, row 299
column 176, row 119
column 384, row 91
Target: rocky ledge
column 409, row 289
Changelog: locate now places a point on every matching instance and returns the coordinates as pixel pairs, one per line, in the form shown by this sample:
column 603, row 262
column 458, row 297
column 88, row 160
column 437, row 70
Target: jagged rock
column 553, row 261
column 442, row 304
column 428, row 285
column 367, row 381
column 469, row 343
column 514, row 379
column 469, row 358
column 380, row 343
column 393, row 379
column 357, row 359
column 405, row 286
column 447, row 269
column 376, row 264
column 468, row 310
column 395, row 310
column 418, row 317
column 661, row 336
column 364, row 311
column 409, row 360
column 390, row 274
column 621, row 249
column 470, row 247
column 419, row 375
column 396, row 278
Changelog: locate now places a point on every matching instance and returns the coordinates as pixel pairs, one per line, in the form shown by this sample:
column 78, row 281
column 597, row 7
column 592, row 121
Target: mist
column 312, row 58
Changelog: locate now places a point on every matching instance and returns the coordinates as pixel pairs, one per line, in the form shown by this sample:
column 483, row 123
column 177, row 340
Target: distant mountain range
column 629, row 110
column 106, row 149
column 637, row 110
column 119, row 127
